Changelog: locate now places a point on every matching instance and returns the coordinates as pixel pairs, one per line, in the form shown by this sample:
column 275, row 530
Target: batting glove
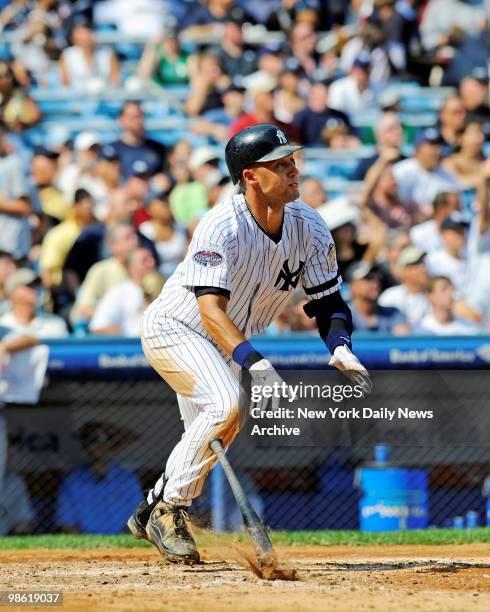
column 344, row 360
column 264, row 374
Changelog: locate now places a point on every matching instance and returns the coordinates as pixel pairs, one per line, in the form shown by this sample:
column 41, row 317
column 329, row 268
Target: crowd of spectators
column 91, row 227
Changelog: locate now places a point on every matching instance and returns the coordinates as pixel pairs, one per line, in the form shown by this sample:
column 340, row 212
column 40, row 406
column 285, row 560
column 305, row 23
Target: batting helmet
column 259, row 143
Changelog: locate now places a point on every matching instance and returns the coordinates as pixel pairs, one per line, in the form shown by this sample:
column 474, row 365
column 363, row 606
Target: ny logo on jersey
column 281, row 137
column 290, row 278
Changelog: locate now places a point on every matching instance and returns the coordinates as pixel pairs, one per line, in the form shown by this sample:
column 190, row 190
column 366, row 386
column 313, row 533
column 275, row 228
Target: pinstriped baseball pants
column 209, row 396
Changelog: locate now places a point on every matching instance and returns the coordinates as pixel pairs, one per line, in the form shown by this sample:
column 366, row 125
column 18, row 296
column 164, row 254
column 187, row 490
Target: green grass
column 298, row 538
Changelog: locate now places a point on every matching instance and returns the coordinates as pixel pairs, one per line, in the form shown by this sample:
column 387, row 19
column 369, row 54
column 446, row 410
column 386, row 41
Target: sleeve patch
column 208, row 258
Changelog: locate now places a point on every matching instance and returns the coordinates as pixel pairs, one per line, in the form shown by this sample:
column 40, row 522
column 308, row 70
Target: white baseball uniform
column 231, row 252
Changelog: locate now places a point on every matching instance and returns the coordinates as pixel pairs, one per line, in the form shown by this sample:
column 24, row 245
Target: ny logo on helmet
column 290, row 278
column 281, row 137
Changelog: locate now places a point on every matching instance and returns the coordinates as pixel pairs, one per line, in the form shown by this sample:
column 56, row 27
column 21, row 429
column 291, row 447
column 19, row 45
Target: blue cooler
column 393, row 499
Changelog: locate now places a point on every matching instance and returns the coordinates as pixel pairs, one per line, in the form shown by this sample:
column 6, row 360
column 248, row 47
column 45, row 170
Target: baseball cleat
column 167, row 529
column 138, row 520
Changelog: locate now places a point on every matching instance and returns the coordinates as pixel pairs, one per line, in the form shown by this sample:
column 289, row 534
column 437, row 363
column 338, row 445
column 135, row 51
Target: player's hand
column 344, row 360
column 264, row 374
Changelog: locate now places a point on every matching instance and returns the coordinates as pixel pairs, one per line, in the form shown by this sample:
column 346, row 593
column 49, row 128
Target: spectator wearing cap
column 164, row 61
column 473, row 90
column 207, row 83
column 29, row 327
column 91, row 246
column 216, row 122
column 427, row 235
column 85, row 492
column 15, row 207
column 121, row 240
column 80, row 172
column 421, row 177
column 189, row 201
column 467, row 163
column 352, row 94
column 311, row 120
column 440, row 320
column 367, row 314
column 57, row 244
column 45, row 195
column 134, row 145
column 82, row 63
column 409, row 297
column 389, row 139
column 120, row 311
column 451, row 261
column 235, row 56
column 312, row 191
column 170, row 239
column 452, row 121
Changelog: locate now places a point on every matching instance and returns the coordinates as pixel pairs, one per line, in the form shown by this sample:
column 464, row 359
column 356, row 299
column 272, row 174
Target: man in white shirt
column 30, row 327
column 120, row 311
column 427, row 235
column 410, row 296
column 440, row 320
column 450, row 261
column 351, row 94
column 420, row 178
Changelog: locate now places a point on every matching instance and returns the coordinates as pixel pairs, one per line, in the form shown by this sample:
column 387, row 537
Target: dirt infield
column 455, row 577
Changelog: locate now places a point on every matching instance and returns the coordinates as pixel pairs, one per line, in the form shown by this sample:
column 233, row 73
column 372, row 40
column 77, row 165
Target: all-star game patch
column 208, row 258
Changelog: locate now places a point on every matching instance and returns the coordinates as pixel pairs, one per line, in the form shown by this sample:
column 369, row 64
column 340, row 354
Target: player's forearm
column 222, row 329
column 218, row 324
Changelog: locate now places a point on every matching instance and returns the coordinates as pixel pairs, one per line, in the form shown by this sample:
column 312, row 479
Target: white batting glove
column 264, row 374
column 344, row 360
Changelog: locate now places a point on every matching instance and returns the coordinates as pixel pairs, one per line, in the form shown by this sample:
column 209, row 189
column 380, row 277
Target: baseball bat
column 253, row 524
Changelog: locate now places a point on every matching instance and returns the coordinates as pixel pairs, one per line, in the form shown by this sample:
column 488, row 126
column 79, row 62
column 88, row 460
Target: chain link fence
column 124, row 430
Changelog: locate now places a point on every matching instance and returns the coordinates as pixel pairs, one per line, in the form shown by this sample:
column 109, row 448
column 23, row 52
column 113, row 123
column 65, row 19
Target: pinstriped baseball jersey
column 230, row 250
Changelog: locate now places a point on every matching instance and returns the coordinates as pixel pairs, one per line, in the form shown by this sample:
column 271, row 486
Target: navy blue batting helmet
column 258, row 143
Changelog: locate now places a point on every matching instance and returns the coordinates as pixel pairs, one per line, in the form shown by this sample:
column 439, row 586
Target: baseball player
column 247, row 256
